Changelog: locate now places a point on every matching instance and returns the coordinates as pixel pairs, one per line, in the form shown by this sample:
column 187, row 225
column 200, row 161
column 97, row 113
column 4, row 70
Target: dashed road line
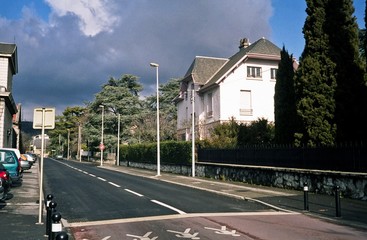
column 114, row 184
column 102, row 179
column 135, row 193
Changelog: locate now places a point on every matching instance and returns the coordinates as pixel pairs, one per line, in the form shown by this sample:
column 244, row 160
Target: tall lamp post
column 68, row 154
column 101, row 146
column 118, row 140
column 193, row 133
column 156, row 66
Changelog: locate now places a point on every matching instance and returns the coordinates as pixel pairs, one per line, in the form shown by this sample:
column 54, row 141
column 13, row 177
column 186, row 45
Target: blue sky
column 67, row 49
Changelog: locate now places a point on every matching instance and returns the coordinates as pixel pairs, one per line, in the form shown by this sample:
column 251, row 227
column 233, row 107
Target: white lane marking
column 168, row 206
column 92, row 175
column 102, row 179
column 114, row 184
column 174, row 216
column 135, row 193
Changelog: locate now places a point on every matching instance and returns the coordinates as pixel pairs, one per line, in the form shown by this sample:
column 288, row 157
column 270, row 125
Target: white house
column 8, row 68
column 240, row 87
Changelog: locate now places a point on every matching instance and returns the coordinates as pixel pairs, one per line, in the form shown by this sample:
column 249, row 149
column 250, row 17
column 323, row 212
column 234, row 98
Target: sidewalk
column 353, row 212
column 19, row 213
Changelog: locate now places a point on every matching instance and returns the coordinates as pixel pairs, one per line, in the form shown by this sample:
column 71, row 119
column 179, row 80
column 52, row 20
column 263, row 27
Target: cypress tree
column 350, row 94
column 315, row 82
column 284, row 100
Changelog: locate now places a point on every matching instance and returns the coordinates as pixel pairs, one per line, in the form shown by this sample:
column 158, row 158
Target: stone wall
column 352, row 185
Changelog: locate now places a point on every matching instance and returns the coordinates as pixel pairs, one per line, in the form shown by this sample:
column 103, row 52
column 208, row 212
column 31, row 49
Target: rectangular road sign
column 49, row 118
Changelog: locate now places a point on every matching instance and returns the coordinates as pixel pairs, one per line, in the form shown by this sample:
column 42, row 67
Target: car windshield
column 6, row 157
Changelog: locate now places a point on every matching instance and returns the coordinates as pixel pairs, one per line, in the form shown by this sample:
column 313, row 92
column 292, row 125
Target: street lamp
column 68, row 154
column 118, row 140
column 193, row 132
column 101, row 146
column 156, row 66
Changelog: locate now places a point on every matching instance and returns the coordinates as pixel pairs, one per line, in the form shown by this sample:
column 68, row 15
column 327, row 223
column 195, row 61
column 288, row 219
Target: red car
column 5, row 180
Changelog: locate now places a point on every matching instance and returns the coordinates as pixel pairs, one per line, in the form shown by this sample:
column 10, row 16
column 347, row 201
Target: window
column 245, row 103
column 210, row 105
column 273, row 73
column 254, row 72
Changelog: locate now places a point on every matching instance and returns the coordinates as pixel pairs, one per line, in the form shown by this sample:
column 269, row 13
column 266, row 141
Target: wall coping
column 295, row 170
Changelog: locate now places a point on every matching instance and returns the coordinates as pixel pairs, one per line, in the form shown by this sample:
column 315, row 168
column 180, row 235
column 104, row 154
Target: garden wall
column 352, row 185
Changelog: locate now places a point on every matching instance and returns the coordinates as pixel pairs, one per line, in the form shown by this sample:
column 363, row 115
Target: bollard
column 305, row 197
column 62, row 236
column 49, row 198
column 56, row 224
column 51, row 209
column 337, row 202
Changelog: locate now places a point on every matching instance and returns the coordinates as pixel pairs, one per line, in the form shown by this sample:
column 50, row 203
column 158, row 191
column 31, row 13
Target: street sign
column 48, row 121
column 101, row 147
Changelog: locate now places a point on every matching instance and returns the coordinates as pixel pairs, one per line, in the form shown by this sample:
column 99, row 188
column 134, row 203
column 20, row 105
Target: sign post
column 43, row 118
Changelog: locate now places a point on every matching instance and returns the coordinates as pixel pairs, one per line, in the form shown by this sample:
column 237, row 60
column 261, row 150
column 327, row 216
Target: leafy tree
column 67, row 123
column 315, row 82
column 284, row 100
column 167, row 111
column 118, row 96
column 350, row 94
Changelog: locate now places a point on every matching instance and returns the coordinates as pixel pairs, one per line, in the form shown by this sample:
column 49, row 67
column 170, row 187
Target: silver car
column 30, row 158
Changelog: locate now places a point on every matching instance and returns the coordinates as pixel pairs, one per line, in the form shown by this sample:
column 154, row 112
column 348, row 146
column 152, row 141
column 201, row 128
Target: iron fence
column 352, row 158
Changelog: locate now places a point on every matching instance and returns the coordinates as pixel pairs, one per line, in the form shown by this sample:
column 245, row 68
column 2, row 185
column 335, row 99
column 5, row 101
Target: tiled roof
column 10, row 50
column 203, row 68
column 262, row 48
column 7, row 48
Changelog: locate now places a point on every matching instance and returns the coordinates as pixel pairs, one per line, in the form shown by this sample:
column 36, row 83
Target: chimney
column 244, row 43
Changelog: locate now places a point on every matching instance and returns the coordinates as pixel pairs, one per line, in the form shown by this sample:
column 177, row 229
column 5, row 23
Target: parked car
column 30, row 157
column 11, row 162
column 2, row 191
column 24, row 163
column 5, row 179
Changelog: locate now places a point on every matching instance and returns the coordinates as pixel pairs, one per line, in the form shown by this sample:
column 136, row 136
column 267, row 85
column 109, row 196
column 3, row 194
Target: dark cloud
column 60, row 65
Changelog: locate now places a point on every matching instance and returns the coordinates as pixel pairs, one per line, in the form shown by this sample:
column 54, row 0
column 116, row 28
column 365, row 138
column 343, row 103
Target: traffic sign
column 44, row 117
column 101, row 147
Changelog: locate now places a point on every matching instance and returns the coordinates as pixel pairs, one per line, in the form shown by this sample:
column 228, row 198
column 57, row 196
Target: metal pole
column 102, row 136
column 337, row 202
column 68, row 153
column 155, row 65
column 305, row 197
column 80, row 142
column 41, row 174
column 193, row 133
column 118, row 141
column 158, row 129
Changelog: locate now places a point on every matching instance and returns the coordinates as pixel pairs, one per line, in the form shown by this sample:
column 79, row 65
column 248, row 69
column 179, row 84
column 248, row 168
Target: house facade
column 240, row 87
column 8, row 68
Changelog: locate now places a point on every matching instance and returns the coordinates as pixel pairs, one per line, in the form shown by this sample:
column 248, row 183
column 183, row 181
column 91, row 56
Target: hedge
column 171, row 152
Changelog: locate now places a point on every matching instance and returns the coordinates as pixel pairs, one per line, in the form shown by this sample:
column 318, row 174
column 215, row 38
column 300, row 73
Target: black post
column 62, row 236
column 305, row 197
column 51, row 210
column 49, row 198
column 56, row 225
column 337, row 201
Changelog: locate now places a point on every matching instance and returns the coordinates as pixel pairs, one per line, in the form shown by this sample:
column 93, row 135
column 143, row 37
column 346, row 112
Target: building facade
column 8, row 68
column 241, row 87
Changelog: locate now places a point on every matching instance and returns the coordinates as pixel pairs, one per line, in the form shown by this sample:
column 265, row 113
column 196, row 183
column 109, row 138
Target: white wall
column 262, row 93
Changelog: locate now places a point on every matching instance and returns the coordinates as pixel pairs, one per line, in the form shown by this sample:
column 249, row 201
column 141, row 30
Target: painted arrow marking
column 185, row 234
column 223, row 231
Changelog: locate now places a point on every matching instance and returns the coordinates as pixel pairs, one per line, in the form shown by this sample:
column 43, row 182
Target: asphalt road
column 102, row 204
column 84, row 192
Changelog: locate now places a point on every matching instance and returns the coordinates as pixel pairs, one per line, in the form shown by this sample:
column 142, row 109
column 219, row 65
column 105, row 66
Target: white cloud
column 94, row 15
